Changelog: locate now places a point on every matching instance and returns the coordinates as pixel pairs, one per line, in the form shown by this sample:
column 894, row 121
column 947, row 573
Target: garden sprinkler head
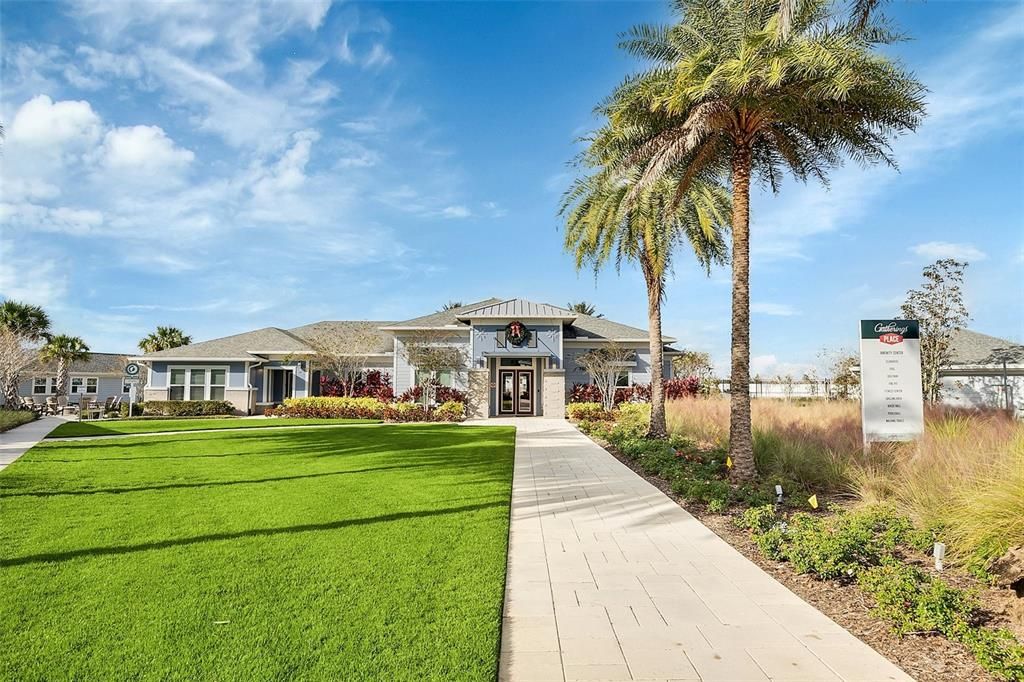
column 778, row 494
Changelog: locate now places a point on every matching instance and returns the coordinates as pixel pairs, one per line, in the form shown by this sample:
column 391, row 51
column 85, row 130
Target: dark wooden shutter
column 499, row 338
column 532, row 342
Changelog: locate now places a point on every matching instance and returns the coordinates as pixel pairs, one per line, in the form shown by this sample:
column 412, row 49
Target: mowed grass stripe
column 315, row 554
column 122, row 427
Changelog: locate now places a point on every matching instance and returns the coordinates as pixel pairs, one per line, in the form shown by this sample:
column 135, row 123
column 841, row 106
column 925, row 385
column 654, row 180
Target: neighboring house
column 502, row 374
column 985, row 372
column 100, row 377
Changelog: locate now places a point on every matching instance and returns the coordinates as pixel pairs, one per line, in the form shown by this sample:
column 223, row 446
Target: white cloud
column 494, row 210
column 937, row 250
column 456, row 211
column 39, row 281
column 43, row 123
column 761, row 363
column 778, row 309
column 144, row 149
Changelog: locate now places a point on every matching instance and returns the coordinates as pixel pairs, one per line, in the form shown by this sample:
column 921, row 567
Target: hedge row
column 367, row 408
column 181, row 408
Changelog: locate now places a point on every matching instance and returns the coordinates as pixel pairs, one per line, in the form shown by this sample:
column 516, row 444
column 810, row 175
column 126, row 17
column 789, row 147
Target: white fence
column 787, row 391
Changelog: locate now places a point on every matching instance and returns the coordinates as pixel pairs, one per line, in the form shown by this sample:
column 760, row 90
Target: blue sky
column 222, row 170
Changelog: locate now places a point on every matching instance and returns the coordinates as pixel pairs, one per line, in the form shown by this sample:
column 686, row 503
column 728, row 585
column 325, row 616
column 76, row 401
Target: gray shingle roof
column 345, row 328
column 589, row 327
column 97, row 364
column 444, row 318
column 517, row 307
column 972, row 348
column 238, row 346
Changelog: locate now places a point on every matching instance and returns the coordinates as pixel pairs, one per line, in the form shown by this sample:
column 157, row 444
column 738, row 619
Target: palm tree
column 606, row 222
column 65, row 350
column 29, row 324
column 732, row 95
column 451, row 305
column 164, row 338
column 584, row 308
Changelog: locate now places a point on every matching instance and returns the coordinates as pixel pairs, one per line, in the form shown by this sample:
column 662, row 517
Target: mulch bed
column 926, row 658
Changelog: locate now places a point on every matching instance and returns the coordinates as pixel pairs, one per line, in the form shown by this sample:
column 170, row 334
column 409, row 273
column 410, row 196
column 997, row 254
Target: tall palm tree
column 29, row 324
column 584, row 308
column 606, row 222
column 164, row 338
column 731, row 95
column 65, row 350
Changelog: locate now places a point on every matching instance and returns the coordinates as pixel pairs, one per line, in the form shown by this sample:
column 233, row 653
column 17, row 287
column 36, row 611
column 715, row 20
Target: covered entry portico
column 515, row 389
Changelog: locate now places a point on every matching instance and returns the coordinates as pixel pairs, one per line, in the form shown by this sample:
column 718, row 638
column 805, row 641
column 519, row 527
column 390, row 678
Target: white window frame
column 49, row 386
column 187, row 386
column 85, row 382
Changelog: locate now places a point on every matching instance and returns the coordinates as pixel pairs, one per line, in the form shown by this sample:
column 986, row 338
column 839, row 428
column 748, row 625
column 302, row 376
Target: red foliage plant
column 372, row 384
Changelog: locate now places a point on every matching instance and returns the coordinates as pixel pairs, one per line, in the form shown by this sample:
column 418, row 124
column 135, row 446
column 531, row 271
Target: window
column 44, row 385
column 218, row 382
column 622, row 379
column 444, row 377
column 190, row 383
column 177, row 384
column 84, row 384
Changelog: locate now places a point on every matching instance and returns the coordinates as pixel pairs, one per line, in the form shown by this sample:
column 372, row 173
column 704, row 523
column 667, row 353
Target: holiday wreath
column 517, row 333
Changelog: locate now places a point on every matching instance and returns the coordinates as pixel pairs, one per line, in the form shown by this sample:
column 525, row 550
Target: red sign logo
column 891, row 339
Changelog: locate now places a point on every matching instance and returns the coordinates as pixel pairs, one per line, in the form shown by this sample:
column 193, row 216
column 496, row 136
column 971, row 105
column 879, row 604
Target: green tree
column 607, row 222
column 940, row 308
column 65, row 351
column 584, row 308
column 732, row 94
column 25, row 326
column 164, row 338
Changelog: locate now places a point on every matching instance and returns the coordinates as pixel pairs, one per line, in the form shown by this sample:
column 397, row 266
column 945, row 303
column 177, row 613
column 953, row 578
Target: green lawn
column 11, row 418
column 115, row 427
column 371, row 553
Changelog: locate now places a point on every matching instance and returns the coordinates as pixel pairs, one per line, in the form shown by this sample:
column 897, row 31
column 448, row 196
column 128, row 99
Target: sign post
column 132, row 377
column 892, row 403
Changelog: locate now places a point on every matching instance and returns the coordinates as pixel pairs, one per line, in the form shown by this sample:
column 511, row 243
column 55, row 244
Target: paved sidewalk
column 609, row 579
column 17, row 441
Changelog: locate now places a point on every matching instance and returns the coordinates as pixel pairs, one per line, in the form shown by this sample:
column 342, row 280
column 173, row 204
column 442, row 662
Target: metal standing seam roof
column 518, row 307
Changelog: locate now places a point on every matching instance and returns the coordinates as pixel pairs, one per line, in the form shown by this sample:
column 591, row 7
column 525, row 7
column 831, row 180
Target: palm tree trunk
column 741, row 442
column 657, row 428
column 62, row 377
column 10, row 389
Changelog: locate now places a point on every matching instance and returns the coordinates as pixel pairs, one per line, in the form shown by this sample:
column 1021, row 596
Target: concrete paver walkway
column 609, row 579
column 17, row 441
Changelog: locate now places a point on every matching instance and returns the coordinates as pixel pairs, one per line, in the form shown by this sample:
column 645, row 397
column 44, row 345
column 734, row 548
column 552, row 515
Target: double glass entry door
column 515, row 391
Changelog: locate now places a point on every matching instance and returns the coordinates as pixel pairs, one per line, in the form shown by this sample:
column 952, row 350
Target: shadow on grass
column 54, row 557
column 204, row 484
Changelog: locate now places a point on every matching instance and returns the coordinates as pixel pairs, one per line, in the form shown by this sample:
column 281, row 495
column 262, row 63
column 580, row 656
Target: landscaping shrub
column 588, row 412
column 332, row 408
column 685, row 387
column 442, row 394
column 187, row 408
column 450, row 411
column 585, row 393
column 137, row 411
column 12, row 418
column 404, row 412
column 373, row 384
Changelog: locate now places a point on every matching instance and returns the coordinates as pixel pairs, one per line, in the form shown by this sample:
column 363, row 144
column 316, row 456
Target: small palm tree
column 164, row 338
column 733, row 93
column 65, row 350
column 607, row 222
column 451, row 305
column 584, row 308
column 29, row 324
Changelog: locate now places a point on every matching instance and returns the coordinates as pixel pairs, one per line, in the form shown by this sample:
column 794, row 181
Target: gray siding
column 640, row 374
column 405, row 374
column 485, row 341
column 160, row 372
column 106, row 386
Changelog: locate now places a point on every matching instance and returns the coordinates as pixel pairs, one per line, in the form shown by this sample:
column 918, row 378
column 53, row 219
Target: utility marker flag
column 813, row 500
column 728, row 462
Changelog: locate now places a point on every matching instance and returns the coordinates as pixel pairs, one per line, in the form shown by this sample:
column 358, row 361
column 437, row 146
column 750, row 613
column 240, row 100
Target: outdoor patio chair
column 31, row 404
column 64, row 407
column 88, row 408
column 52, row 406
